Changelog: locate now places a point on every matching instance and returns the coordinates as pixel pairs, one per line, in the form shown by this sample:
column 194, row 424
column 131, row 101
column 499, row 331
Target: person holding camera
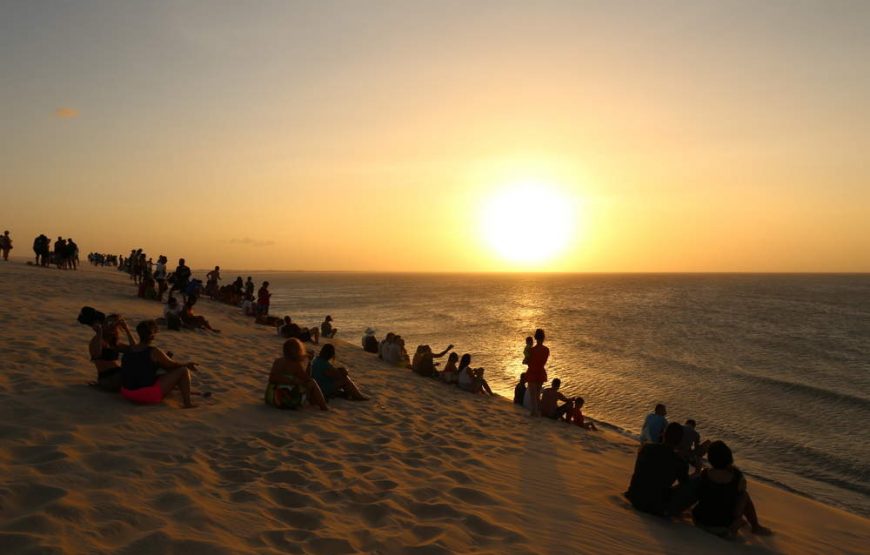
column 104, row 348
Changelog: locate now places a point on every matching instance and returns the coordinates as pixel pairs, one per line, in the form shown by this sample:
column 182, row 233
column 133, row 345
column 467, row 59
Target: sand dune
column 423, row 468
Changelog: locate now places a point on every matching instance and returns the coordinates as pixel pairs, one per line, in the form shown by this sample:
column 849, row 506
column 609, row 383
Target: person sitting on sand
column 248, row 306
column 193, row 321
column 326, row 328
column 723, row 501
column 105, row 350
column 333, row 381
column 654, row 425
column 370, row 342
column 385, row 344
column 139, row 380
column 576, row 415
column 450, row 374
column 656, row 469
column 172, row 314
column 691, row 449
column 148, row 288
column 394, row 353
column 424, row 360
column 550, row 397
column 536, row 375
column 290, row 383
column 471, row 379
column 520, row 390
column 289, row 329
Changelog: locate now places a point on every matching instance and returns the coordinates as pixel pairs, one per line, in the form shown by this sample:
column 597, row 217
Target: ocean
column 777, row 366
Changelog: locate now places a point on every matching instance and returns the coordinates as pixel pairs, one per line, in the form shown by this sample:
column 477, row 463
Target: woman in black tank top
column 723, row 501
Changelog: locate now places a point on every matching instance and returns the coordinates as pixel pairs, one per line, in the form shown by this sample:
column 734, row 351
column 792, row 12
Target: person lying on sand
column 656, row 469
column 550, row 397
column 333, row 381
column 193, row 321
column 723, row 501
column 105, row 351
column 290, row 384
column 139, row 380
column 288, row 329
column 576, row 415
column 471, row 379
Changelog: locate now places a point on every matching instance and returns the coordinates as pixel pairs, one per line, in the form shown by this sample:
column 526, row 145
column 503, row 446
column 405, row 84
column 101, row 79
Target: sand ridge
column 422, row 468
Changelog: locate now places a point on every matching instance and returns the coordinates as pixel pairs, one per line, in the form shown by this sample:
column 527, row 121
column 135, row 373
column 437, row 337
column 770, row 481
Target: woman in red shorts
column 536, row 375
column 139, row 380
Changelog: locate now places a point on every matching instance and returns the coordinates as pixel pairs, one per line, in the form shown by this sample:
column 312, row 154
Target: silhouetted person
column 520, row 390
column 723, row 501
column 657, row 467
column 5, row 245
column 536, row 375
column 182, row 279
column 550, row 398
column 654, row 425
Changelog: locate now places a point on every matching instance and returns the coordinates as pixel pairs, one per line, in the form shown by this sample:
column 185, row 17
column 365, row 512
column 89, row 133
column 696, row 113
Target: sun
column 528, row 223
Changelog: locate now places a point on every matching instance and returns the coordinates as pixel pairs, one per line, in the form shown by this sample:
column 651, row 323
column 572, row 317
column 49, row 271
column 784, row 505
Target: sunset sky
column 668, row 136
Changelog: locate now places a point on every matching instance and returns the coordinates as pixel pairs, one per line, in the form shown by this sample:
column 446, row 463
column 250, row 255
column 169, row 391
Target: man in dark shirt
column 182, row 278
column 657, row 467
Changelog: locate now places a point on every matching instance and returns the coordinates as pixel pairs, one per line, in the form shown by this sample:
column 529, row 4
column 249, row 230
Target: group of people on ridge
column 661, row 483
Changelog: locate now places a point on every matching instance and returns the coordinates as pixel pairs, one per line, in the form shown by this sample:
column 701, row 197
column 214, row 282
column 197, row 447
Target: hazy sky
column 681, row 136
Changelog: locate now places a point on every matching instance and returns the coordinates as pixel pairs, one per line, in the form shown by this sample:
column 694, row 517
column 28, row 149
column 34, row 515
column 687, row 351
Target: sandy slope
column 422, row 469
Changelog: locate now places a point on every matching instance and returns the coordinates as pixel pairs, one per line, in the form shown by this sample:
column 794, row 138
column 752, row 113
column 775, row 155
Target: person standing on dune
column 536, row 375
column 5, row 245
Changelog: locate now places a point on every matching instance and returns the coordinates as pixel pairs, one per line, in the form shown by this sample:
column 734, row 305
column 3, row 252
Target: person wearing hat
column 326, row 329
column 370, row 342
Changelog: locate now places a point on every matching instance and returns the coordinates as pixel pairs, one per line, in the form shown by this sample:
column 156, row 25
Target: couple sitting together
column 295, row 379
column 288, row 329
column 467, row 378
column 144, row 374
column 722, row 504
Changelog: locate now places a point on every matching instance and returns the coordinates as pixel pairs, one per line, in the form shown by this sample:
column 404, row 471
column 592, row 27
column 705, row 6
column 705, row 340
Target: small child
column 527, row 351
column 576, row 415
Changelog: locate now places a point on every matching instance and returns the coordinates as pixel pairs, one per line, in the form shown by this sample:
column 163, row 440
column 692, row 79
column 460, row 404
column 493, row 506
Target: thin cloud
column 252, row 242
column 66, row 113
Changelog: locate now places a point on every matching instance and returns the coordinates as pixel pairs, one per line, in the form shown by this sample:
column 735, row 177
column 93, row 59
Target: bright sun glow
column 528, row 223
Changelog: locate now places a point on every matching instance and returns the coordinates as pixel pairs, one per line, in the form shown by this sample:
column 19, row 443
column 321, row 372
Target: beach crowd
column 714, row 493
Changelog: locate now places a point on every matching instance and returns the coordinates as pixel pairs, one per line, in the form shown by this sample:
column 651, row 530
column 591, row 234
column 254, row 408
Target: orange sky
column 373, row 136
